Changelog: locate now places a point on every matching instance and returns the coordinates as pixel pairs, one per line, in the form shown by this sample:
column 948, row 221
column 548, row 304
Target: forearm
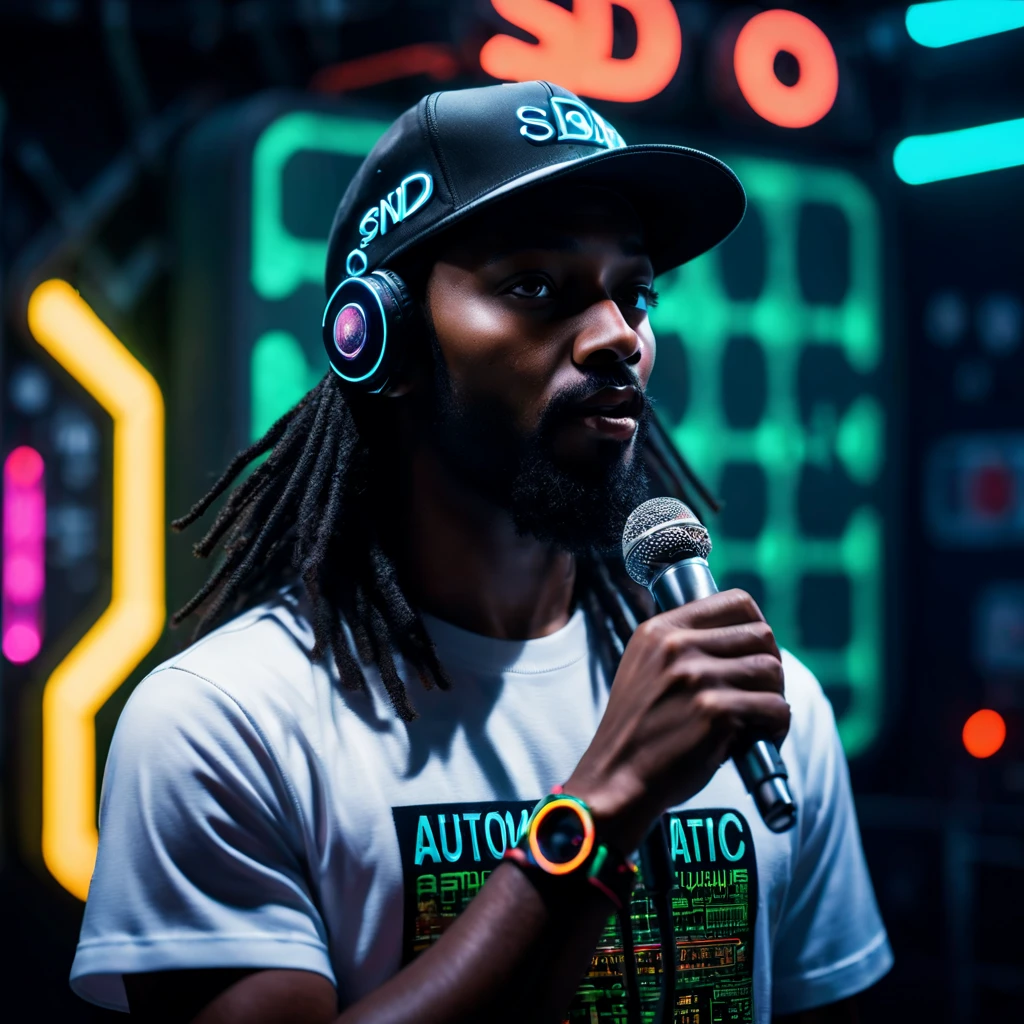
column 508, row 954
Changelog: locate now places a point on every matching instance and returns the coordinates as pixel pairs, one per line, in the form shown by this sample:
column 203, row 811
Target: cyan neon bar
column 919, row 159
column 955, row 21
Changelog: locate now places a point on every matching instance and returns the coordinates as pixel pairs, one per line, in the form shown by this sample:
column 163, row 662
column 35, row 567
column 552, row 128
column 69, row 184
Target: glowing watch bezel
column 588, row 837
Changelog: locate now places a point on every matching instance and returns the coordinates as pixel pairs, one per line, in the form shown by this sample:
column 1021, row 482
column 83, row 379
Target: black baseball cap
column 457, row 151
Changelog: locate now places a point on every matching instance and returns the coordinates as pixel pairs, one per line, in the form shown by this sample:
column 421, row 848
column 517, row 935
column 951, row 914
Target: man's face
column 539, row 310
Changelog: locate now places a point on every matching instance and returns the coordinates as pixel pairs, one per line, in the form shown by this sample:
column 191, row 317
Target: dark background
column 104, row 184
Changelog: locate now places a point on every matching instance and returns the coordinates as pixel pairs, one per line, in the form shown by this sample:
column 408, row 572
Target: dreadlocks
column 289, row 517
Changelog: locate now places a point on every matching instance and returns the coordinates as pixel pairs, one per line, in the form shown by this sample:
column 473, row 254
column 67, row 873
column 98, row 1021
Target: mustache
column 616, row 376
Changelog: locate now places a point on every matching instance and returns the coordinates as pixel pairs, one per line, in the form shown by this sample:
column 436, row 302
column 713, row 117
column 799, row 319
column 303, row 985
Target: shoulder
column 269, row 642
column 252, row 675
column 813, row 737
column 811, row 708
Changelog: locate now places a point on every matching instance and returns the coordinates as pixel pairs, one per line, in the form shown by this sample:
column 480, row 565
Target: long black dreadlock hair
column 294, row 516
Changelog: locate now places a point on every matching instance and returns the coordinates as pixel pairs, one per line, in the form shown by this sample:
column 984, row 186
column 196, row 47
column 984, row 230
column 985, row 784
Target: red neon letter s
column 575, row 47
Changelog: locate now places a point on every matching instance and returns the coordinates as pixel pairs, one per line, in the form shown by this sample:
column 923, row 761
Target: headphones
column 366, row 329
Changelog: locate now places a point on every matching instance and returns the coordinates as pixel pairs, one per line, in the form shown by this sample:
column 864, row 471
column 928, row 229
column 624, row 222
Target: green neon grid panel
column 767, row 365
column 767, row 373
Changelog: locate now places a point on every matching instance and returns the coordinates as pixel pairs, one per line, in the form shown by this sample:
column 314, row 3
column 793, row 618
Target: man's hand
column 693, row 684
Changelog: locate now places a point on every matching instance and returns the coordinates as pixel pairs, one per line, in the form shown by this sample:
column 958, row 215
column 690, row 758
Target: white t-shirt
column 256, row 814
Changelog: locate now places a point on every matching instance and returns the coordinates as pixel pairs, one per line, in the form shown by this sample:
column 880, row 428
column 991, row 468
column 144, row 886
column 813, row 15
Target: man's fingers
column 728, row 608
column 743, row 711
column 754, row 672
column 728, row 641
column 759, row 671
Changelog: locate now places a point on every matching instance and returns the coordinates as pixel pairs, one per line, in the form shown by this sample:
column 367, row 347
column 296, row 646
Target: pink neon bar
column 24, row 549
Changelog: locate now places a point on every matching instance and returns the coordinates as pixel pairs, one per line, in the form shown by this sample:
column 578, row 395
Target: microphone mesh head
column 658, row 533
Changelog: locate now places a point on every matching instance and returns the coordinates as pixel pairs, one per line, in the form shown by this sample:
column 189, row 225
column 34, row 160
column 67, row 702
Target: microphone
column 665, row 548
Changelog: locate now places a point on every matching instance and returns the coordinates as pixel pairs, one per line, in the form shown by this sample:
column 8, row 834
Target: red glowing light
column 984, row 733
column 992, row 490
column 24, row 466
column 435, row 59
column 760, row 41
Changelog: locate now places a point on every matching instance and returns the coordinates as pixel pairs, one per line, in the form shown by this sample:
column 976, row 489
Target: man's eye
column 532, row 288
column 640, row 296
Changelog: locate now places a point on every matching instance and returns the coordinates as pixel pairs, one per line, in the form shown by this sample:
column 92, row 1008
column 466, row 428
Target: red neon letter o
column 789, row 106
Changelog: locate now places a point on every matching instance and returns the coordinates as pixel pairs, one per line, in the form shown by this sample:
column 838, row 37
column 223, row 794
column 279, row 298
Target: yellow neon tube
column 64, row 324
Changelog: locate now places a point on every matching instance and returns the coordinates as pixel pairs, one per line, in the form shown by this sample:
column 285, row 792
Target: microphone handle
column 760, row 765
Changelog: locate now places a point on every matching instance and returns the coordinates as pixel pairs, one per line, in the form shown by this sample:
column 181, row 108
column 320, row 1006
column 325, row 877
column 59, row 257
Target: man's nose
column 605, row 337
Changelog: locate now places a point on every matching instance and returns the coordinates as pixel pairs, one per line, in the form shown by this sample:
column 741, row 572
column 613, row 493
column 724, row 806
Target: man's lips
column 618, row 428
column 611, row 412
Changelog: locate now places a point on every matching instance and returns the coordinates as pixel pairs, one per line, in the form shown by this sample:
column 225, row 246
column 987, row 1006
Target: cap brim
column 688, row 201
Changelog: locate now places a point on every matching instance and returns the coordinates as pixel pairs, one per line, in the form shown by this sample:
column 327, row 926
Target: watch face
column 562, row 836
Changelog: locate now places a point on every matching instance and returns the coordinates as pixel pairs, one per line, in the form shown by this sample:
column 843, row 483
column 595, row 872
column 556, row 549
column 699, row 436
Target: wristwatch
column 561, row 842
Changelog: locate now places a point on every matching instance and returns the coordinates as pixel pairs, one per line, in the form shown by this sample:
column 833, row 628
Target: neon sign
column 760, row 41
column 919, row 159
column 955, row 21
column 574, row 49
column 24, row 574
column 65, row 326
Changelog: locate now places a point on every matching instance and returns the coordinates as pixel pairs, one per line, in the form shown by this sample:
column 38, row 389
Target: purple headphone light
column 350, row 330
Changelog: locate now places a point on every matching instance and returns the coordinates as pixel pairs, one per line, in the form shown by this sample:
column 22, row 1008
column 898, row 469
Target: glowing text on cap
column 395, row 205
column 575, row 122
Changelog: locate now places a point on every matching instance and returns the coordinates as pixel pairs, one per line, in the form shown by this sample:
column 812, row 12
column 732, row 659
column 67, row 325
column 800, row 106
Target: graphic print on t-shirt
column 449, row 851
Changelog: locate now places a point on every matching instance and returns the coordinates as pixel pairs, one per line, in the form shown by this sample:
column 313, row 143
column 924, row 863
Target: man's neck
column 462, row 561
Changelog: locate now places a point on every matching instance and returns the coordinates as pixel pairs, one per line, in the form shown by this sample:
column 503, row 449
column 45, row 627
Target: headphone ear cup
column 402, row 314
column 406, row 308
column 365, row 329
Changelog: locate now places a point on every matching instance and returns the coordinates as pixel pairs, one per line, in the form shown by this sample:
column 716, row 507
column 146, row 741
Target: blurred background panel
column 846, row 372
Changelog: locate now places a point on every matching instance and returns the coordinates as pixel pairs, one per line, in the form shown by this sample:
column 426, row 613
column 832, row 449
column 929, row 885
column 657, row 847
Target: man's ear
column 416, row 366
column 411, row 374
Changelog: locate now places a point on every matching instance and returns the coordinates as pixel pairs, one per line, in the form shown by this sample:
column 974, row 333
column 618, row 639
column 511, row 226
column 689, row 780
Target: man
column 290, row 824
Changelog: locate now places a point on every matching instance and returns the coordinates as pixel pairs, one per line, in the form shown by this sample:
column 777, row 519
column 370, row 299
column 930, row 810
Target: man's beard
column 574, row 507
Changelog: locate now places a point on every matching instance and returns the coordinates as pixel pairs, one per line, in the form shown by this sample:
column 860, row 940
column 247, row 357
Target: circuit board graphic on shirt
column 449, row 851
